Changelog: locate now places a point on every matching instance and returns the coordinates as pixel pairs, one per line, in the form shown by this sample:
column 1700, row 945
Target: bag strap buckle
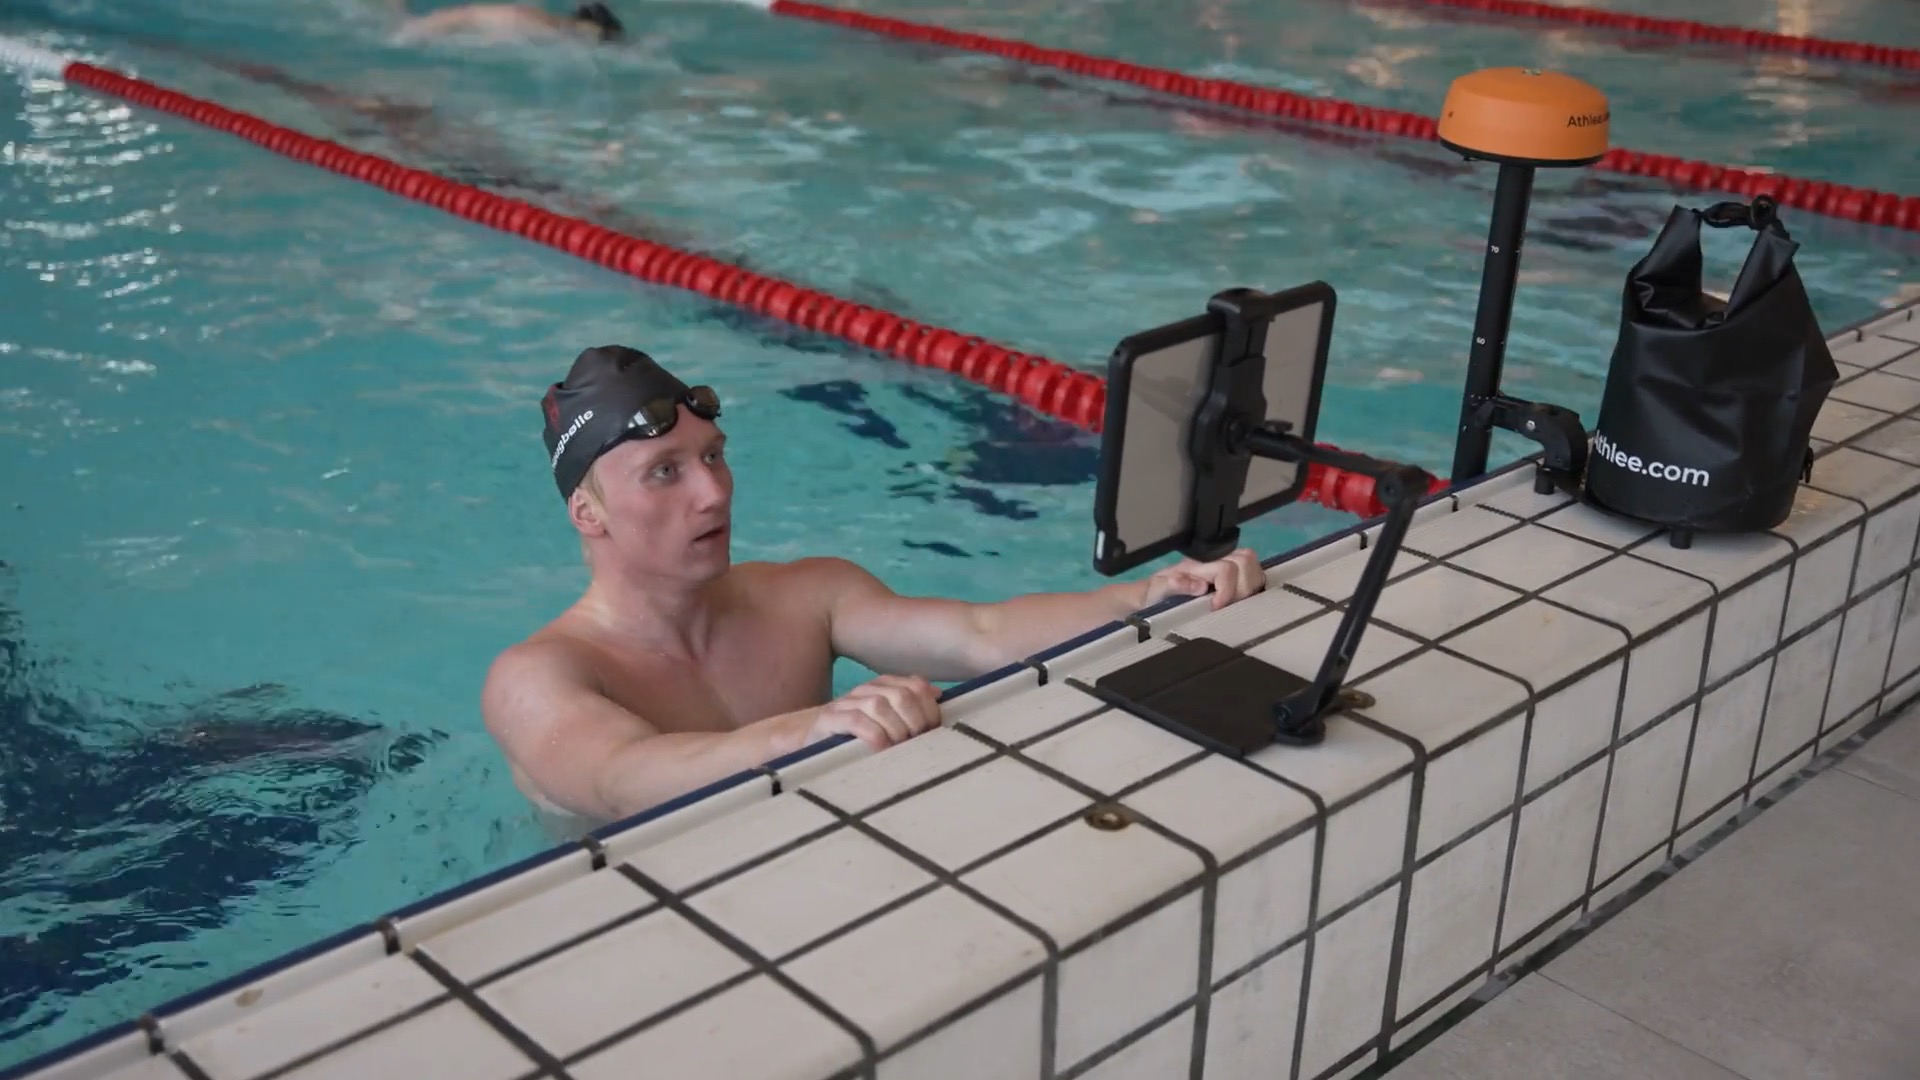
column 1762, row 213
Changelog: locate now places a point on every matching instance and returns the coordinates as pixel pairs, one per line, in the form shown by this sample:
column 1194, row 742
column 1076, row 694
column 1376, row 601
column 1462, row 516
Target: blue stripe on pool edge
column 786, row 761
column 979, row 681
column 69, row 1050
column 606, row 832
column 810, row 750
column 1166, row 604
column 1071, row 644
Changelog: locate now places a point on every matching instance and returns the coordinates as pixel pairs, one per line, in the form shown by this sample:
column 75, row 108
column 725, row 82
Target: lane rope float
column 1864, row 205
column 1858, row 52
column 1049, row 387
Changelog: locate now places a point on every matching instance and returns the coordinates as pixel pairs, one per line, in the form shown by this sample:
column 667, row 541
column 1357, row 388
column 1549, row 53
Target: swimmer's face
column 662, row 507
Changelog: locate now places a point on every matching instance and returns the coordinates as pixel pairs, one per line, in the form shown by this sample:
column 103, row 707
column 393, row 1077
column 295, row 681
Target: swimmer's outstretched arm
column 509, row 19
column 451, row 20
column 948, row 640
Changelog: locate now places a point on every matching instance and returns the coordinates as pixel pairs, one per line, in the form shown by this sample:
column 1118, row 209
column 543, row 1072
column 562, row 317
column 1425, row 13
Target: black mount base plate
column 1208, row 692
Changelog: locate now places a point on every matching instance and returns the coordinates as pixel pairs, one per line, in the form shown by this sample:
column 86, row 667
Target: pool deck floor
column 1789, row 948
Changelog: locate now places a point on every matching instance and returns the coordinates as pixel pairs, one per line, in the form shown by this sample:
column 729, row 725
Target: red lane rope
column 1759, row 40
column 1818, row 196
column 1048, row 386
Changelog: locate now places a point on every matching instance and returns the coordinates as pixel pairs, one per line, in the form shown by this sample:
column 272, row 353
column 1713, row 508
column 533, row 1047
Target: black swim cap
column 598, row 15
column 612, row 394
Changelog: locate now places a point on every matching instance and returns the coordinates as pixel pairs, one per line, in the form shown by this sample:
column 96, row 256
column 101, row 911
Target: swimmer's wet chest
column 751, row 671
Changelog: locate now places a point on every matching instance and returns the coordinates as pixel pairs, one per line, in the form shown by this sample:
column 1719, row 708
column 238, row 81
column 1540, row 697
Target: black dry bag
column 1705, row 419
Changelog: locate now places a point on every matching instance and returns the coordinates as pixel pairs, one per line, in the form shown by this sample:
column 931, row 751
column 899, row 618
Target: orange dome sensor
column 1525, row 119
column 1525, row 116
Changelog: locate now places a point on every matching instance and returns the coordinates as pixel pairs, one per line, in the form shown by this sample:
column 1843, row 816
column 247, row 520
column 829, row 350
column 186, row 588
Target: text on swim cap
column 567, row 437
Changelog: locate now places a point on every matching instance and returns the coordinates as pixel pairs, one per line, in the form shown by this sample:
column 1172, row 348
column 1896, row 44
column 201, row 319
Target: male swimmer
column 508, row 22
column 677, row 667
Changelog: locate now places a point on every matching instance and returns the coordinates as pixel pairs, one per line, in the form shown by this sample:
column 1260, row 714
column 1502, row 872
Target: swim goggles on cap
column 657, row 416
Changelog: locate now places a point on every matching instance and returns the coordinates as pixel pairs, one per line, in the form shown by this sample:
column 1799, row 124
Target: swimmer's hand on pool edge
column 1235, row 577
column 589, row 756
column 888, row 710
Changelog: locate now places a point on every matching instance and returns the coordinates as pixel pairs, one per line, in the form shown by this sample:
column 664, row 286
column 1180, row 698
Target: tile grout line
column 1431, row 1008
column 1905, row 579
column 1513, row 837
column 753, row 862
column 1639, row 640
column 1425, row 645
column 550, row 951
column 1588, row 670
column 1538, row 958
column 1625, row 656
column 1210, row 870
column 1849, row 602
column 1130, row 1039
column 1210, row 874
column 1049, row 968
column 186, row 1064
column 751, row 955
column 491, row 1016
column 385, row 1023
column 1699, row 698
column 1322, row 817
column 1811, row 746
column 660, row 1016
column 1773, row 657
column 1612, row 753
column 1291, row 832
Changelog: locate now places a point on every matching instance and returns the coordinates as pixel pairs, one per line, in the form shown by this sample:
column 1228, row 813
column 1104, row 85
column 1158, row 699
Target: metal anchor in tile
column 1349, row 698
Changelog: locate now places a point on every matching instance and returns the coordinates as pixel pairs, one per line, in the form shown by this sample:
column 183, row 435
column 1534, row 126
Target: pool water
column 269, row 438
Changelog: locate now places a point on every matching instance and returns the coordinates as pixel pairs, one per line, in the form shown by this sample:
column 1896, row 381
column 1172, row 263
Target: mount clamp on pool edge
column 1206, row 690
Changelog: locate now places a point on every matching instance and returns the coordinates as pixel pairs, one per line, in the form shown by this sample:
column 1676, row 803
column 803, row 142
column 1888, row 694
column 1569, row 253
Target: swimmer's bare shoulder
column 803, row 588
column 544, row 703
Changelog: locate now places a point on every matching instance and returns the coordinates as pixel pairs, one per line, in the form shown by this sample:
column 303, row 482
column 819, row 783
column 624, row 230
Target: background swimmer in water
column 418, row 134
column 508, row 22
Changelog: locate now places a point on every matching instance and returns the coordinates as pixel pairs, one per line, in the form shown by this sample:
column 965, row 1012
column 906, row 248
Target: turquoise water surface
column 269, row 443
